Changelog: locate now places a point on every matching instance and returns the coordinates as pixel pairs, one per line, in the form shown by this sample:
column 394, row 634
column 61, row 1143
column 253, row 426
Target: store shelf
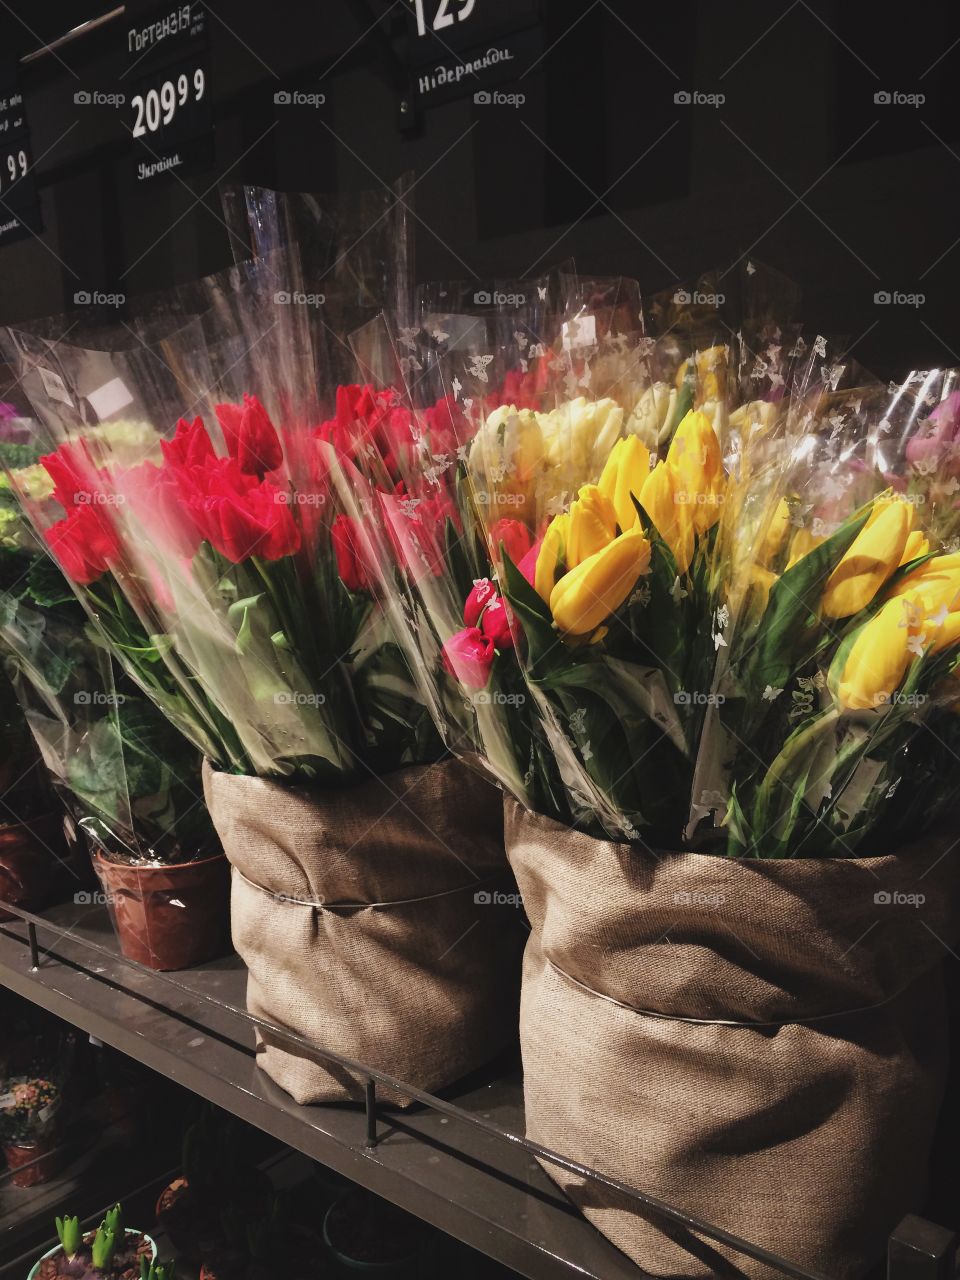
column 190, row 1027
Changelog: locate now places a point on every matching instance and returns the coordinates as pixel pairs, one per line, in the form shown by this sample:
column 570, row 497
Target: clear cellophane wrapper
column 220, row 583
column 612, row 682
column 831, row 727
column 126, row 775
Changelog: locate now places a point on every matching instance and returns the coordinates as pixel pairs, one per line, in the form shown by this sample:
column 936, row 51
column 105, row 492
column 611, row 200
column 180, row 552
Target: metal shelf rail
column 918, row 1249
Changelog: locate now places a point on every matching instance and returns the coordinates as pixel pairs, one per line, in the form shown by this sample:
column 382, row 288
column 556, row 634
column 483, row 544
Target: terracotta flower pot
column 32, row 1163
column 168, row 917
column 175, row 1214
column 366, row 1234
column 28, row 851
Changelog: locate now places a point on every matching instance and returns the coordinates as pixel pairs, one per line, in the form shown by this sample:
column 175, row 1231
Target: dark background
column 799, row 167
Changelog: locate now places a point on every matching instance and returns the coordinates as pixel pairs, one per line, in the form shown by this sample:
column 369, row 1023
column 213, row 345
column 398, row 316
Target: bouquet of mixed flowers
column 714, row 614
column 557, row 637
column 28, row 1108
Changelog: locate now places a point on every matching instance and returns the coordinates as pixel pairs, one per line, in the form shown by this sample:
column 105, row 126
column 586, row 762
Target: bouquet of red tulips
column 227, row 578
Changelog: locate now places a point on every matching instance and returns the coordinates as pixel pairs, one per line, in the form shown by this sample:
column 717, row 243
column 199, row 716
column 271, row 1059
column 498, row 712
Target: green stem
column 798, row 743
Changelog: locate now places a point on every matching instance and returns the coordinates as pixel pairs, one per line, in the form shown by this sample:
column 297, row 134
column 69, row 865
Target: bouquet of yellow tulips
column 619, row 625
column 832, row 722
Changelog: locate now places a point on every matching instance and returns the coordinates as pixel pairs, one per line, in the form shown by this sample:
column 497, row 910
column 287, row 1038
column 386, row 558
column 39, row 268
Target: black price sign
column 464, row 46
column 437, row 16
column 168, row 75
column 19, row 201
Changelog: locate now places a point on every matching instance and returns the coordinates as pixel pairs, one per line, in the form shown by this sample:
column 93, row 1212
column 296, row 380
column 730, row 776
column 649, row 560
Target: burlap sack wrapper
column 759, row 1043
column 365, row 921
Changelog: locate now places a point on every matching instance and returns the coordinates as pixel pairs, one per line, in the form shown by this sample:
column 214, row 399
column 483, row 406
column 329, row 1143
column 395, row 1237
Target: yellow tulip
column 551, row 556
column 507, row 458
column 652, row 414
column 948, row 634
column 938, row 580
column 762, row 580
column 694, row 456
column 939, row 564
column 673, row 521
column 878, row 660
column 711, row 374
column 597, row 587
column 802, row 543
column 918, row 544
column 875, row 553
column 624, row 473
column 593, row 523
column 776, row 532
column 711, row 366
column 577, row 436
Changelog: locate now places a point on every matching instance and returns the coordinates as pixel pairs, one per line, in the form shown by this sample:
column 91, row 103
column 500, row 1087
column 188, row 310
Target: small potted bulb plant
column 112, row 1252
column 29, row 1133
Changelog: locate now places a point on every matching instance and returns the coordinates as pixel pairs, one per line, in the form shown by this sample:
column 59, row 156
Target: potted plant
column 28, row 1129
column 112, row 1252
column 218, row 1182
column 365, row 1233
column 129, row 778
column 262, row 1248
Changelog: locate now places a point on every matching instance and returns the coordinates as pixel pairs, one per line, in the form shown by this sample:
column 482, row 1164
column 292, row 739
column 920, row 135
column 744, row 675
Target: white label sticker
column 581, row 332
column 49, row 1111
column 53, row 385
column 110, row 398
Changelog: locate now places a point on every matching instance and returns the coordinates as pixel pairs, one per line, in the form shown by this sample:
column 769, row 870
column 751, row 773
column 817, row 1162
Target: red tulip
column 515, row 536
column 250, row 436
column 349, row 549
column 189, row 446
column 528, row 565
column 483, row 594
column 256, row 523
column 468, row 656
column 495, row 624
column 417, row 529
column 238, row 514
column 155, row 497
column 369, row 419
column 83, row 543
column 73, row 474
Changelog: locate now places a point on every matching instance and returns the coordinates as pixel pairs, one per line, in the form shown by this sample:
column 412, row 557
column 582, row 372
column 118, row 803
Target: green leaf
column 241, row 615
column 46, row 584
column 790, row 633
column 543, row 643
column 685, row 397
column 781, row 793
column 457, row 559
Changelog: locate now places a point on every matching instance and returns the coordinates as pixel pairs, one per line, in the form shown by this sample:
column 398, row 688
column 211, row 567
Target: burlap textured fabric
column 355, row 911
column 797, row 1104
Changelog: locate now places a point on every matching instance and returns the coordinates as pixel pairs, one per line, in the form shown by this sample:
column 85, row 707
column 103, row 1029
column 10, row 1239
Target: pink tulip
column 468, row 656
column 483, row 593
